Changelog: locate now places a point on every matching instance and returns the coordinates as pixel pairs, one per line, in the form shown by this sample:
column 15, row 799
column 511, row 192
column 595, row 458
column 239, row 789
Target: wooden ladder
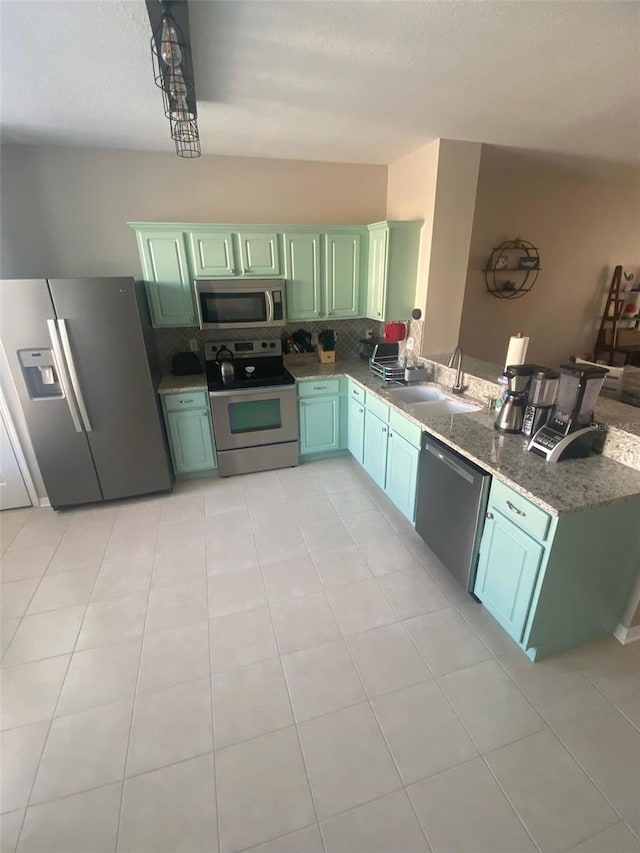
column 607, row 340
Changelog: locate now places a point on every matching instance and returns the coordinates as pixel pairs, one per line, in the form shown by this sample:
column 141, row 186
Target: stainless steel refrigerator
column 79, row 353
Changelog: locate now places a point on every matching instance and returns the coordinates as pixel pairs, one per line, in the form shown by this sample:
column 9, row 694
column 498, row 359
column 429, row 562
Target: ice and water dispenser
column 40, row 373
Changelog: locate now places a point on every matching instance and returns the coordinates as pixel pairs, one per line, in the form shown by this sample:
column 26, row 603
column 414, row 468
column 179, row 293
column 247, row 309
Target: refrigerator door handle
column 63, row 374
column 75, row 382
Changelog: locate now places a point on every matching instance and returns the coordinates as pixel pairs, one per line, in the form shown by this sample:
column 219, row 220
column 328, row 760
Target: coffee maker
column 569, row 432
column 540, row 400
column 510, row 418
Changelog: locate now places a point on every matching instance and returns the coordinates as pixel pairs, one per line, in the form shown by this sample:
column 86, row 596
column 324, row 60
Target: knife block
column 326, row 356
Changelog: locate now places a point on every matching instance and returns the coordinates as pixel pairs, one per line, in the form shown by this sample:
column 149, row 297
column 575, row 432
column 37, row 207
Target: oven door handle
column 269, row 296
column 269, row 390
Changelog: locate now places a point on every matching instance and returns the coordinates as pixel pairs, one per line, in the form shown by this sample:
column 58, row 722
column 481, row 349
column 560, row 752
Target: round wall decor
column 512, row 269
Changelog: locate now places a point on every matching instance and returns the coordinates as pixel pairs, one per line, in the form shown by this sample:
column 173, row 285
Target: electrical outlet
column 193, row 345
column 409, row 344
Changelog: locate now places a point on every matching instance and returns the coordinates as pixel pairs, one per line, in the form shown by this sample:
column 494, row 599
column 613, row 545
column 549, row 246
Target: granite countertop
column 170, row 384
column 568, row 486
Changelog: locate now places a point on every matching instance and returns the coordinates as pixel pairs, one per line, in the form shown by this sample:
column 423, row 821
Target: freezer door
column 102, row 335
column 60, row 443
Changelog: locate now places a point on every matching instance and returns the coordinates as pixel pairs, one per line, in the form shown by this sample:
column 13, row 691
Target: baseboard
column 44, row 502
column 627, row 635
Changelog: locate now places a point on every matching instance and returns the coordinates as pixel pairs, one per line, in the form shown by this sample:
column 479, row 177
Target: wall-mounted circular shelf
column 512, row 269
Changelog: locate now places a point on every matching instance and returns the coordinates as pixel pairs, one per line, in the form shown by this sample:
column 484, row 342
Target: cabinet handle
column 356, row 392
column 515, row 509
column 319, row 387
column 186, row 401
column 490, row 516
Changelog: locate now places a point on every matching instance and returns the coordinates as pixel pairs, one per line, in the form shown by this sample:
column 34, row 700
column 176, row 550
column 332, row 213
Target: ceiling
column 349, row 81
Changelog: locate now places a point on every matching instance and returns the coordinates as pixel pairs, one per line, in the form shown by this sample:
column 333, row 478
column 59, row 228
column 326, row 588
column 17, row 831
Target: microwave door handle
column 61, row 368
column 73, row 373
column 198, row 303
column 267, row 293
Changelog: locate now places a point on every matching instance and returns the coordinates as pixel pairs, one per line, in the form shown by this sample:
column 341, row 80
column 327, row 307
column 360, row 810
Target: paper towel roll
column 517, row 350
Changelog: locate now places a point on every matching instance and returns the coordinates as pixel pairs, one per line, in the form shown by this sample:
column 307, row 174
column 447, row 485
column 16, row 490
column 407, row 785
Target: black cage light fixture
column 173, row 74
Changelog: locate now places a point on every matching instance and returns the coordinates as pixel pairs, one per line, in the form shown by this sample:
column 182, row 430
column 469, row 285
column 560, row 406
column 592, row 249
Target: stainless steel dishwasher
column 451, row 506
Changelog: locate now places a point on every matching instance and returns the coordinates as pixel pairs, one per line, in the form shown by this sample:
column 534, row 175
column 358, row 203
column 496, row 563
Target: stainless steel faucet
column 456, row 361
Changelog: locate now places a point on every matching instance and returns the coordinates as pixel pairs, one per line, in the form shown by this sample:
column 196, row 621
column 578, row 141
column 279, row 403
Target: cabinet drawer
column 318, row 387
column 407, row 429
column 186, row 400
column 378, row 408
column 357, row 392
column 519, row 510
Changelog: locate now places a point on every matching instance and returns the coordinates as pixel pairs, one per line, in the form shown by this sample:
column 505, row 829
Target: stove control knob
column 272, row 345
column 264, row 344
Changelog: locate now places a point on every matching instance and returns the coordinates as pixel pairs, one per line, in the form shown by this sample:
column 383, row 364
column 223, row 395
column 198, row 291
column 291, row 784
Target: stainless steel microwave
column 233, row 304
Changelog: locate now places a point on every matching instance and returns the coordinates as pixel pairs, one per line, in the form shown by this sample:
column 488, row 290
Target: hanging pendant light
column 171, row 58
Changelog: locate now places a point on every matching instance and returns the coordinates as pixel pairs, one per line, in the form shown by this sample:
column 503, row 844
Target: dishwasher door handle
column 459, row 470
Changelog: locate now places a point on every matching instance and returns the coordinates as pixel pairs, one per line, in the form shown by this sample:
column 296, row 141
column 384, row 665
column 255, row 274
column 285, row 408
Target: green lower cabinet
column 402, row 474
column 507, row 572
column 319, row 424
column 191, row 441
column 375, row 448
column 355, row 430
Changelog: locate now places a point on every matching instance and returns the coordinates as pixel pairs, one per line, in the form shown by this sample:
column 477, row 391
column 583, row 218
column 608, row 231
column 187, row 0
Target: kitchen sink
column 447, row 406
column 417, row 394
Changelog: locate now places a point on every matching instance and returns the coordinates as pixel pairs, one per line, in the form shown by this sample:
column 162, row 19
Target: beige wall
column 411, row 194
column 64, row 209
column 437, row 183
column 458, row 165
column 584, row 222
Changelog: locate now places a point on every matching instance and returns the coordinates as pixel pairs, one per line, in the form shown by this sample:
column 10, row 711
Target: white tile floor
column 276, row 662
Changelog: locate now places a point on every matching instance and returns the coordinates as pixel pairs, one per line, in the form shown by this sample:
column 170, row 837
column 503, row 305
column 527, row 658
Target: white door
column 13, row 492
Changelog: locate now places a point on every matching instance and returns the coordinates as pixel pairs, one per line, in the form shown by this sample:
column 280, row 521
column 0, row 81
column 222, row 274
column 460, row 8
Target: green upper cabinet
column 259, row 254
column 165, row 267
column 377, row 272
column 302, row 273
column 392, row 269
column 342, row 275
column 212, row 253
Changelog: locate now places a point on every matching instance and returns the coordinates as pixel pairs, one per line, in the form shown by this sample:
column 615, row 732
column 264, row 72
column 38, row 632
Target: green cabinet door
column 191, row 440
column 302, row 273
column 212, row 253
column 167, row 278
column 374, row 456
column 507, row 572
column 259, row 253
column 377, row 273
column 319, row 424
column 342, row 275
column 402, row 474
column 355, row 429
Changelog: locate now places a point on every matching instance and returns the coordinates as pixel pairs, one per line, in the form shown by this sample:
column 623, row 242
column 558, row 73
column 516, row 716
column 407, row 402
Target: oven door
column 251, row 417
column 240, row 305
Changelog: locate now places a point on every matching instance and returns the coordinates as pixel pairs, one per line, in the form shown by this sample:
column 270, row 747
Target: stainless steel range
column 253, row 406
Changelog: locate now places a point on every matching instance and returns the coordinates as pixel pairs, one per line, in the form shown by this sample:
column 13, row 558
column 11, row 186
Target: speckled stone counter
column 568, row 486
column 170, row 384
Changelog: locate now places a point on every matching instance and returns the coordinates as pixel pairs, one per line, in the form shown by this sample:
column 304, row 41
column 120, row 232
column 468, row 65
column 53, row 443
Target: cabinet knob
column 361, row 411
column 378, row 313
column 490, row 516
column 390, row 435
column 384, row 429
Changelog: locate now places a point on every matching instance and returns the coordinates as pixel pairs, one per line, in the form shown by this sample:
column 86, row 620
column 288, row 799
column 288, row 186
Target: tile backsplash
column 349, row 333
